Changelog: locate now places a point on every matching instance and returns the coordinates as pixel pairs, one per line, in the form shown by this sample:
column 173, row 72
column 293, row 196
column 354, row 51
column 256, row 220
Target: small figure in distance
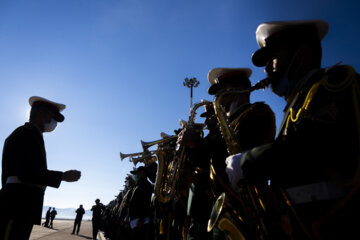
column 47, row 218
column 53, row 213
column 79, row 215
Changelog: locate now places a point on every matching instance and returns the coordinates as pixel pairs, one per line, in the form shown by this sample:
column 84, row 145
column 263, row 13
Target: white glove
column 233, row 169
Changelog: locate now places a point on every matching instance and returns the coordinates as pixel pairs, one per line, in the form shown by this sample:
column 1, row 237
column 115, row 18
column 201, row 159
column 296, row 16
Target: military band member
column 139, row 206
column 254, row 125
column 24, row 171
column 315, row 156
column 123, row 213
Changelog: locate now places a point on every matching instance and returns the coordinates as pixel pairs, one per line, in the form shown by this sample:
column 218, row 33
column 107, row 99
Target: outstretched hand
column 71, row 176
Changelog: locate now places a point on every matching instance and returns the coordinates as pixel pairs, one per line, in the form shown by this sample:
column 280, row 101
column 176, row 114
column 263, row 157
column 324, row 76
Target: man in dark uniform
column 24, row 171
column 123, row 212
column 53, row 214
column 79, row 215
column 253, row 124
column 200, row 198
column 47, row 218
column 315, row 156
column 96, row 217
column 139, row 206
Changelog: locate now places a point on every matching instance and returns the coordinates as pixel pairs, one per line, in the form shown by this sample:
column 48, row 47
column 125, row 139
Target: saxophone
column 171, row 160
column 245, row 222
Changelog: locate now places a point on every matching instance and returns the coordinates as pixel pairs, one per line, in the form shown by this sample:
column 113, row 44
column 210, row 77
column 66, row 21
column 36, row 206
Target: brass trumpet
column 145, row 159
column 122, row 155
column 147, row 145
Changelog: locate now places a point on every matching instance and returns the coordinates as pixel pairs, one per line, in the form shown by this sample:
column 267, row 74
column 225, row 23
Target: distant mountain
column 67, row 213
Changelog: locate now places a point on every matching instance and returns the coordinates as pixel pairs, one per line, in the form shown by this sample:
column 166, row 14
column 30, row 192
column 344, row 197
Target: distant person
column 53, row 213
column 24, row 171
column 47, row 218
column 96, row 218
column 79, row 214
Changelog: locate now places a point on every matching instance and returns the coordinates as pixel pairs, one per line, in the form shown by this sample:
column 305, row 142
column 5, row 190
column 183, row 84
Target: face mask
column 49, row 127
column 283, row 88
column 285, row 84
column 136, row 178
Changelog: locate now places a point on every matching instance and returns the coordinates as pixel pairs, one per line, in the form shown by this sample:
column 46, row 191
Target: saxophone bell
column 225, row 217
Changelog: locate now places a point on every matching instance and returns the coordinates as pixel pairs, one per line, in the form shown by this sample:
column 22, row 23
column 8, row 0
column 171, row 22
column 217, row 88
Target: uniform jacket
column 139, row 205
column 320, row 144
column 79, row 214
column 24, row 156
column 97, row 211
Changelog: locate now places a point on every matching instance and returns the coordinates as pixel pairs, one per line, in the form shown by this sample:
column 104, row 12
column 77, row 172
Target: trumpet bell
column 122, row 156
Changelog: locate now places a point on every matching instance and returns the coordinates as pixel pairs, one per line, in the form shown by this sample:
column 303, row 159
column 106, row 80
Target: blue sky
column 119, row 66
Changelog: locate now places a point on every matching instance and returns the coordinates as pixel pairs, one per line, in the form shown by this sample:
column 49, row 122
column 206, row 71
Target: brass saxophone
column 171, row 162
column 243, row 214
column 246, row 221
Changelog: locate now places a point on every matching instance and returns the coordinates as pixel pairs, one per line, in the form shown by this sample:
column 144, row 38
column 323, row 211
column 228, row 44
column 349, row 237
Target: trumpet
column 122, row 155
column 147, row 145
column 145, row 159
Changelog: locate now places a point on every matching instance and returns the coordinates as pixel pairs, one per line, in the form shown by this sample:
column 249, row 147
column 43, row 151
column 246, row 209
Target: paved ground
column 62, row 230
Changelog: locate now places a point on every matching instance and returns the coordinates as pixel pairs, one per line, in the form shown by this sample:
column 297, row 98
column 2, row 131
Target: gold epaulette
column 336, row 79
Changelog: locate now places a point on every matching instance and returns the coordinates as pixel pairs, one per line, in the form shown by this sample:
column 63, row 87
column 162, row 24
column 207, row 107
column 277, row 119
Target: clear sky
column 118, row 65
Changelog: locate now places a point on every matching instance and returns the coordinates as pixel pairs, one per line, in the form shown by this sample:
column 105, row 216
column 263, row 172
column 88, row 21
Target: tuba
column 171, row 162
column 245, row 214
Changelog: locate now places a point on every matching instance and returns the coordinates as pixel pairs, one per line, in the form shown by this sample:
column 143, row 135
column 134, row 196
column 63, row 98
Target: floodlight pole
column 191, row 83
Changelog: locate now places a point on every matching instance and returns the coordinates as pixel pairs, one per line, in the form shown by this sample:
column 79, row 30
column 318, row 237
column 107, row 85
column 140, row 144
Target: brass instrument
column 122, row 155
column 147, row 145
column 143, row 157
column 165, row 153
column 147, row 160
column 248, row 220
column 243, row 214
column 171, row 162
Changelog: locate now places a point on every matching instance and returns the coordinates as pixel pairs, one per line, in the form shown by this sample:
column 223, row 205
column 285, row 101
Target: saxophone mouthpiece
column 261, row 84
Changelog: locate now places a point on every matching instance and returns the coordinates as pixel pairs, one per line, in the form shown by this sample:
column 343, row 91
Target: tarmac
column 62, row 229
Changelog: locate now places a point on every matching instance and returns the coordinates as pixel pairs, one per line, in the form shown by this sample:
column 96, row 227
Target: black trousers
column 141, row 233
column 95, row 228
column 14, row 229
column 76, row 226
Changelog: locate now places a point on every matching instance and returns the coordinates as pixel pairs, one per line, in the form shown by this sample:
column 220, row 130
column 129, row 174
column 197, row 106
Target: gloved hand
column 233, row 169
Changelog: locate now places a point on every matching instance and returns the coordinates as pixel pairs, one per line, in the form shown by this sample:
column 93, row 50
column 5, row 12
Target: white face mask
column 49, row 127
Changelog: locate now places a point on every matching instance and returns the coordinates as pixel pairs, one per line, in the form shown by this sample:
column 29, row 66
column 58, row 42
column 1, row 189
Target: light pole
column 191, row 83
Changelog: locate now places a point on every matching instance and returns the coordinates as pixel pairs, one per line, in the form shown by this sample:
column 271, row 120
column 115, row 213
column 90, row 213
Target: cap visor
column 214, row 88
column 59, row 117
column 260, row 57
